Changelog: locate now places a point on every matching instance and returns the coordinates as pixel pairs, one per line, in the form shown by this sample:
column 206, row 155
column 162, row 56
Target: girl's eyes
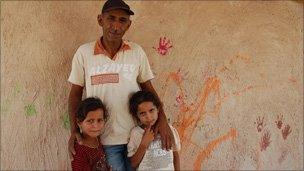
column 92, row 120
column 100, row 120
column 142, row 114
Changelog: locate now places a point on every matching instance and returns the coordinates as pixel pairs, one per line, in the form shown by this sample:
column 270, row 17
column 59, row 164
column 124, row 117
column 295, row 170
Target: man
column 113, row 69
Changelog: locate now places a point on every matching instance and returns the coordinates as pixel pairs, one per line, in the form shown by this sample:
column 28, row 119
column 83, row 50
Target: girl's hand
column 148, row 137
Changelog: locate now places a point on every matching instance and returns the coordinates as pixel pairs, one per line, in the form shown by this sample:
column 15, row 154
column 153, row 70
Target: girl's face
column 147, row 113
column 93, row 124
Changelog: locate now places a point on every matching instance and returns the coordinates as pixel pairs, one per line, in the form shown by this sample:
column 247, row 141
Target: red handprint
column 265, row 140
column 279, row 121
column 283, row 156
column 163, row 46
column 260, row 123
column 286, row 131
column 179, row 99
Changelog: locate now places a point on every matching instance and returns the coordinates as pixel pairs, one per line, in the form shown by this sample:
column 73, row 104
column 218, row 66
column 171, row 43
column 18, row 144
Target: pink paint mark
column 279, row 122
column 244, row 58
column 179, row 99
column 237, row 93
column 208, row 72
column 224, row 68
column 286, row 131
column 295, row 83
column 262, row 75
column 178, row 77
column 163, row 46
column 231, row 61
column 260, row 123
column 265, row 140
column 283, row 156
column 292, row 80
column 229, row 73
column 228, row 70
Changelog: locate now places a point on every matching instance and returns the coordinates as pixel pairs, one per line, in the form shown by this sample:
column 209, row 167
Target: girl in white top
column 144, row 148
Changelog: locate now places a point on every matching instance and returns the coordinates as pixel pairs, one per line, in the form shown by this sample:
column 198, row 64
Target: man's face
column 114, row 24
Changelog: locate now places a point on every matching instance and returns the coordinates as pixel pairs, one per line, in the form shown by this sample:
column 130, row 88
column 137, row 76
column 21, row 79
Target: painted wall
column 230, row 74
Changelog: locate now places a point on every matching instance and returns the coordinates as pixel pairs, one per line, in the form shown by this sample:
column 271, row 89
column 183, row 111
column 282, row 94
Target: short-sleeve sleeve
column 145, row 72
column 177, row 144
column 77, row 71
column 133, row 143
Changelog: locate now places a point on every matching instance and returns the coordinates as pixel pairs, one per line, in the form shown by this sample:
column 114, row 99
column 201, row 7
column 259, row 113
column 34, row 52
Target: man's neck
column 112, row 47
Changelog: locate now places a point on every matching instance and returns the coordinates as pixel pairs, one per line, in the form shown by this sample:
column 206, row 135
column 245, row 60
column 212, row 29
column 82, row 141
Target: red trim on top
column 99, row 49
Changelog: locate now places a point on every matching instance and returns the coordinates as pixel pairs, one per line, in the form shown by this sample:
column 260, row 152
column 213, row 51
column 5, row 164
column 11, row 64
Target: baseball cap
column 116, row 4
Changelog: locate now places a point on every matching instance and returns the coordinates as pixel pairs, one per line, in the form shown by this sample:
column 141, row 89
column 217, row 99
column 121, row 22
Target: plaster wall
column 232, row 82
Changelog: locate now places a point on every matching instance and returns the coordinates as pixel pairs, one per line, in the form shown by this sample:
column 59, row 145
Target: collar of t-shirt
column 99, row 48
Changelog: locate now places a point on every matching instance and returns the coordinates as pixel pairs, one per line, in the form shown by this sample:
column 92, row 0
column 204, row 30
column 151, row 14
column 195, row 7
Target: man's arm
column 74, row 100
column 176, row 160
column 161, row 125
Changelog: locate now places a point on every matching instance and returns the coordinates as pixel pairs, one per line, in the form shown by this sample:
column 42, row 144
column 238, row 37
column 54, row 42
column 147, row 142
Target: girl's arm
column 138, row 156
column 176, row 160
column 144, row 144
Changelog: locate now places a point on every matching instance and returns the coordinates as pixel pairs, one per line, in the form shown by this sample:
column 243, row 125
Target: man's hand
column 72, row 139
column 74, row 101
column 165, row 132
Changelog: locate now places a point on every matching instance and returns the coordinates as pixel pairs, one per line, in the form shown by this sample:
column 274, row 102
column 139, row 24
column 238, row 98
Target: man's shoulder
column 89, row 45
column 85, row 49
column 133, row 45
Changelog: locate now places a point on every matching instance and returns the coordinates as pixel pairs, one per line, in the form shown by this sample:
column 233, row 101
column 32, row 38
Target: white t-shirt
column 155, row 157
column 113, row 81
